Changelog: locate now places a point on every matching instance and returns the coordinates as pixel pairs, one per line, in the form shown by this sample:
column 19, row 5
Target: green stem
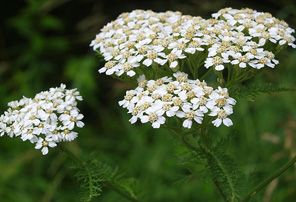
column 202, row 148
column 265, row 182
column 206, row 74
column 71, row 155
column 213, row 157
column 115, row 188
column 109, row 184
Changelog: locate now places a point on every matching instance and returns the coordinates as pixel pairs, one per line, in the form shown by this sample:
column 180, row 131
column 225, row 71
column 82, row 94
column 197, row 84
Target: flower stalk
column 268, row 180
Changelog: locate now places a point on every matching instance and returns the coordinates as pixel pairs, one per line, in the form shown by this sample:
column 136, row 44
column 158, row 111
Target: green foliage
column 252, row 91
column 93, row 175
column 224, row 172
column 90, row 181
column 44, row 43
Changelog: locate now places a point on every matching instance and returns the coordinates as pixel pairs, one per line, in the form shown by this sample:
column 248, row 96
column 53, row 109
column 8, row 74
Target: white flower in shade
column 153, row 56
column 190, row 115
column 44, row 144
column 72, row 118
column 222, row 116
column 200, row 102
column 220, row 98
column 154, row 115
column 171, row 110
column 110, row 68
column 241, row 60
column 181, row 76
column 69, row 135
column 217, row 62
column 173, row 57
column 47, row 119
column 195, row 45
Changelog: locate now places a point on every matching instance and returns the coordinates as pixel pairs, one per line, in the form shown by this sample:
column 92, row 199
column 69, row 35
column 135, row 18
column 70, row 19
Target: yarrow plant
column 45, row 120
column 168, row 42
column 186, row 69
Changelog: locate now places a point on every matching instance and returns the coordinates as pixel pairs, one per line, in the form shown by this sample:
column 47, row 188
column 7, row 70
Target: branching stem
column 206, row 150
column 268, row 180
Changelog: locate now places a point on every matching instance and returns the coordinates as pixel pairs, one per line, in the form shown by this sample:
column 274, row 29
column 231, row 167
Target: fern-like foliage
column 93, row 175
column 224, row 172
column 90, row 180
column 252, row 91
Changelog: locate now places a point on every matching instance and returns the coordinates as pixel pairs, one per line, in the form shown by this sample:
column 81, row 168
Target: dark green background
column 44, row 43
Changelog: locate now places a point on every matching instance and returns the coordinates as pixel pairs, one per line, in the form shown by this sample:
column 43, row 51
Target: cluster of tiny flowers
column 246, row 37
column 232, row 37
column 155, row 100
column 144, row 38
column 258, row 25
column 45, row 120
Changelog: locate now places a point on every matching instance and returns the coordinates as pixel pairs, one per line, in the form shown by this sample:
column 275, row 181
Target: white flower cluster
column 45, row 120
column 246, row 37
column 146, row 38
column 258, row 25
column 155, row 100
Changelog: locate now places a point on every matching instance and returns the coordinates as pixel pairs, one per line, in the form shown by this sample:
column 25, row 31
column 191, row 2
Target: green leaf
column 94, row 175
column 224, row 172
column 250, row 92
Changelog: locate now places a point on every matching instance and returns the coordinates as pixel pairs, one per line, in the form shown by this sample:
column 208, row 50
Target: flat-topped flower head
column 233, row 38
column 147, row 38
column 235, row 47
column 45, row 120
column 260, row 25
column 154, row 101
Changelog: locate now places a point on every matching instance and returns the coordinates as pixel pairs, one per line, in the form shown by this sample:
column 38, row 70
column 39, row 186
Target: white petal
column 187, row 123
column 227, row 122
column 217, row 122
column 44, row 150
column 242, row 65
column 131, row 73
column 156, row 124
column 219, row 67
column 144, row 119
column 80, row 124
column 52, row 144
column 173, row 64
column 102, row 70
column 133, row 120
column 198, row 119
column 147, row 62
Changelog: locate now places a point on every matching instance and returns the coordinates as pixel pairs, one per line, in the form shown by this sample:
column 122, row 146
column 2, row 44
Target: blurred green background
column 46, row 42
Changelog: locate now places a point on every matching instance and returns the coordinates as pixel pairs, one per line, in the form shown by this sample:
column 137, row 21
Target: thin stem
column 206, row 150
column 196, row 149
column 119, row 191
column 206, row 74
column 71, row 155
column 265, row 182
